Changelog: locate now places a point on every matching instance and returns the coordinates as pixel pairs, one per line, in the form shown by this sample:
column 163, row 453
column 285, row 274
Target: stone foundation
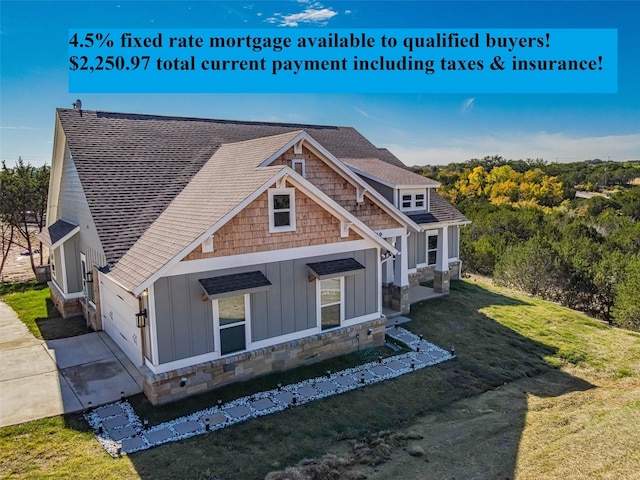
column 67, row 308
column 396, row 298
column 441, row 281
column 427, row 274
column 165, row 387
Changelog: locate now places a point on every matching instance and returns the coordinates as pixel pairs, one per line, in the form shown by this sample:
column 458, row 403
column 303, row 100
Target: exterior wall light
column 141, row 318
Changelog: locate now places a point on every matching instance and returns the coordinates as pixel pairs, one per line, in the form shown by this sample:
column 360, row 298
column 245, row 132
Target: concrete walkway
column 119, row 430
column 40, row 379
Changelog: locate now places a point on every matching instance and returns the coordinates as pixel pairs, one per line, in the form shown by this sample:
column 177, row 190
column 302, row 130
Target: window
column 432, row 249
column 413, row 200
column 232, row 323
column 282, row 210
column 298, row 165
column 330, row 303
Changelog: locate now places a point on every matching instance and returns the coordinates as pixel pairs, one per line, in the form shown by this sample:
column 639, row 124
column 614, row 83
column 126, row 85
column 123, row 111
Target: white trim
column 70, row 296
column 246, row 259
column 412, row 194
column 207, row 245
column 387, row 183
column 431, row 233
column 216, row 326
column 291, row 193
column 339, row 167
column 151, row 323
column 379, row 273
column 268, row 342
column 182, row 363
column 65, row 287
column 355, row 321
column 337, row 210
column 299, row 161
column 319, row 302
column 391, row 232
column 303, row 185
column 344, row 228
column 68, row 236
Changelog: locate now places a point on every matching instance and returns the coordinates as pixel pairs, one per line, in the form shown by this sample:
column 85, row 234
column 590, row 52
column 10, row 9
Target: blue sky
column 419, row 129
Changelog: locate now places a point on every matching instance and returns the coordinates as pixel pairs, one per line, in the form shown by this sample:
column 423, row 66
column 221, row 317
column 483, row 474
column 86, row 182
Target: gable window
column 432, row 248
column 331, row 311
column 231, row 315
column 410, row 201
column 298, row 165
column 282, row 210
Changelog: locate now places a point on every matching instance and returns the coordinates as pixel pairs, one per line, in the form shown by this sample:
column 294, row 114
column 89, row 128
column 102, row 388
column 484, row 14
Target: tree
column 23, row 198
column 626, row 309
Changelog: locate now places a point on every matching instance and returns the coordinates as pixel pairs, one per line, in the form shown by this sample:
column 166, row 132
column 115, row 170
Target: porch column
column 441, row 277
column 388, row 267
column 401, row 275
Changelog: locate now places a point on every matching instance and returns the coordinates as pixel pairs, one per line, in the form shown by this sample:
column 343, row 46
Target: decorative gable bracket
column 360, row 194
column 282, row 182
column 297, row 148
column 344, row 228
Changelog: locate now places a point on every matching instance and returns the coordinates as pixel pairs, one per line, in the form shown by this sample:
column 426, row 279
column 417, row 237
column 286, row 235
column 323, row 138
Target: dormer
column 407, row 191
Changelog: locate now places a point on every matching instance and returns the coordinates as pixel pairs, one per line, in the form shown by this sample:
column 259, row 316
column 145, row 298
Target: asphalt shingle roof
column 132, row 166
column 329, row 268
column 223, row 183
column 56, row 232
column 439, row 211
column 389, row 173
column 237, row 282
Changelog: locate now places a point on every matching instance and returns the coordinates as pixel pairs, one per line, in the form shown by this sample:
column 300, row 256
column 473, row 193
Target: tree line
column 23, row 205
column 530, row 233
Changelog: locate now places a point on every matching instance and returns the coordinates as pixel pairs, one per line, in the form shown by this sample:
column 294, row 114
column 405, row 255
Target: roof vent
column 77, row 105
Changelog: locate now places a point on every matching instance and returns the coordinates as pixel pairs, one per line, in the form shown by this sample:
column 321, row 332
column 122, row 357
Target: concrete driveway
column 41, row 379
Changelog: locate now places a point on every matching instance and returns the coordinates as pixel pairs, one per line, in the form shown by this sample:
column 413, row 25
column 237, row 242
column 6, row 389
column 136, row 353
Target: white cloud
column 315, row 14
column 468, row 104
column 549, row 146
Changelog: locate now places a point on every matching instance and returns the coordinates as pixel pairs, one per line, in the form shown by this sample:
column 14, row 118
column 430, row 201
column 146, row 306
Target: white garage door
column 119, row 310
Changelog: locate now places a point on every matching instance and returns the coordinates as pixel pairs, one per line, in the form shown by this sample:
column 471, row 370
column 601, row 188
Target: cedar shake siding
column 339, row 189
column 248, row 232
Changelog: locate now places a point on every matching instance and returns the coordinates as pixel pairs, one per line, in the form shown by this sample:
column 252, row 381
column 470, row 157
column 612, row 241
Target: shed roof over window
column 57, row 233
column 235, row 284
column 332, row 268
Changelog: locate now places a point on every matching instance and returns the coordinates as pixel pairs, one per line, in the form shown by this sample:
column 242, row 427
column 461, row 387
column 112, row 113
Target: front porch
column 417, row 294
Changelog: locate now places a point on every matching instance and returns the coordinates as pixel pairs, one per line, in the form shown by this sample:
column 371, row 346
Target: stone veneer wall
column 66, row 308
column 426, row 274
column 165, row 387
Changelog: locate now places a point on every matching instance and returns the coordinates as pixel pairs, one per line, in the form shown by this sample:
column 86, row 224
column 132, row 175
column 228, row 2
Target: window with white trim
column 330, row 301
column 282, row 210
column 413, row 200
column 298, row 165
column 231, row 320
column 432, row 248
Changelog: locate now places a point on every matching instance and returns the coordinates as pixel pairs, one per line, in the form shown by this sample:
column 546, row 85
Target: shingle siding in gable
column 335, row 186
column 248, row 232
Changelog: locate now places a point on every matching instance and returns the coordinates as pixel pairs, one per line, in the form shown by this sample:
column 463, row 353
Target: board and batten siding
column 73, row 207
column 184, row 321
column 384, row 190
column 454, row 232
column 417, row 248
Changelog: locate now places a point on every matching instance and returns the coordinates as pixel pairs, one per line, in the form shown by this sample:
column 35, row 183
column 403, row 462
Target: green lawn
column 32, row 303
column 533, row 363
